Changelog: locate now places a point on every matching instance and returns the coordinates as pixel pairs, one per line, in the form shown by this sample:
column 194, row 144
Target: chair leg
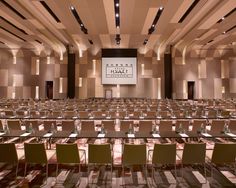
column 205, row 173
column 175, row 173
column 25, row 169
column 46, row 172
column 88, row 175
column 57, row 170
column 111, row 172
column 17, row 165
column 153, row 170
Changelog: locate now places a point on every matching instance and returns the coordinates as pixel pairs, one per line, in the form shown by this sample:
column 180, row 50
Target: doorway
column 191, row 90
column 49, row 89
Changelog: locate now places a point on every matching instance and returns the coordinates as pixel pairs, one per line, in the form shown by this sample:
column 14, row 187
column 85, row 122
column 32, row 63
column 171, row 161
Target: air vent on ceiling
column 50, row 11
column 145, row 41
column 231, row 12
column 21, row 30
column 13, row 9
column 38, row 41
column 157, row 17
column 76, row 15
column 90, row 41
column 12, row 33
column 210, row 41
column 188, row 11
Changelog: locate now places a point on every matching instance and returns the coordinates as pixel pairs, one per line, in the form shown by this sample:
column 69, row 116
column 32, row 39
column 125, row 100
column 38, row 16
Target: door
column 49, row 89
column 191, row 90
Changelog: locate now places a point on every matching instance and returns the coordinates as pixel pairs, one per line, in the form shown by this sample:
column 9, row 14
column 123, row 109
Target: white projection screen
column 119, row 70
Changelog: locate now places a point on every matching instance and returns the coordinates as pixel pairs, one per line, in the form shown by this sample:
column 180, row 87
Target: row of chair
column 143, row 126
column 101, row 154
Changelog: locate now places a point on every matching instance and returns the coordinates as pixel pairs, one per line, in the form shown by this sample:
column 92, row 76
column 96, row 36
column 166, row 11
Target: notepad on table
column 25, row 134
column 72, row 135
column 183, row 135
column 101, row 135
column 47, row 135
column 156, row 135
column 131, row 135
column 206, row 135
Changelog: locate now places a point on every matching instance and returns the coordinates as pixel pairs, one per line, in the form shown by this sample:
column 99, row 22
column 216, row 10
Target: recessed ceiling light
column 161, row 8
column 224, row 32
column 117, row 15
column 117, row 26
column 222, row 18
column 153, row 25
column 117, row 4
column 72, row 8
column 81, row 25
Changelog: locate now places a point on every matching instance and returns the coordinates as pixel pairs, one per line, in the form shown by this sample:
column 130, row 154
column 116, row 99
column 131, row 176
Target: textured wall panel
column 3, row 77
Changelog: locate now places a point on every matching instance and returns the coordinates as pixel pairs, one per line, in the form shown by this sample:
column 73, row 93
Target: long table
column 115, row 135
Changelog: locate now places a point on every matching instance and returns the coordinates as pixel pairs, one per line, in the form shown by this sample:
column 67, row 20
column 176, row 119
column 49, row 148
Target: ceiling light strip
column 12, row 33
column 230, row 29
column 50, row 11
column 188, row 11
column 117, row 12
column 21, row 30
column 231, row 12
column 157, row 17
column 13, row 9
column 76, row 15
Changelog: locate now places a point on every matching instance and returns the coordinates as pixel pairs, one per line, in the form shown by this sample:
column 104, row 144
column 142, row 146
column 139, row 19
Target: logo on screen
column 119, row 70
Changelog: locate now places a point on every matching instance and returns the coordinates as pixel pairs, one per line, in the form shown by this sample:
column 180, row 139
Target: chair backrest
column 232, row 124
column 109, row 125
column 67, row 125
column 87, row 126
column 134, row 154
column 165, row 125
column 194, row 153
column 34, row 124
column 224, row 153
column 212, row 113
column 99, row 153
column 35, row 153
column 197, row 125
column 184, row 123
column 164, row 114
column 145, row 126
column 1, row 125
column 97, row 114
column 8, row 153
column 83, row 114
column 69, row 113
column 67, row 153
column 14, row 124
column 217, row 125
column 124, row 125
column 48, row 124
column 164, row 154
column 151, row 114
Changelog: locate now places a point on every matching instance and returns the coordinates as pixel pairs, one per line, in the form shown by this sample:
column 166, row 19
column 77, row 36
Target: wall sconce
column 48, row 60
column 14, row 59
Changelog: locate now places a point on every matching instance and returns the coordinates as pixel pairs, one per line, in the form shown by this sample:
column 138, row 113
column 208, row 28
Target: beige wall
column 20, row 80
column 213, row 73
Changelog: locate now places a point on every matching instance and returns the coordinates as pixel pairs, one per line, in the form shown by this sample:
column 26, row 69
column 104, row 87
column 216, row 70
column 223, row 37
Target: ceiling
column 49, row 25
